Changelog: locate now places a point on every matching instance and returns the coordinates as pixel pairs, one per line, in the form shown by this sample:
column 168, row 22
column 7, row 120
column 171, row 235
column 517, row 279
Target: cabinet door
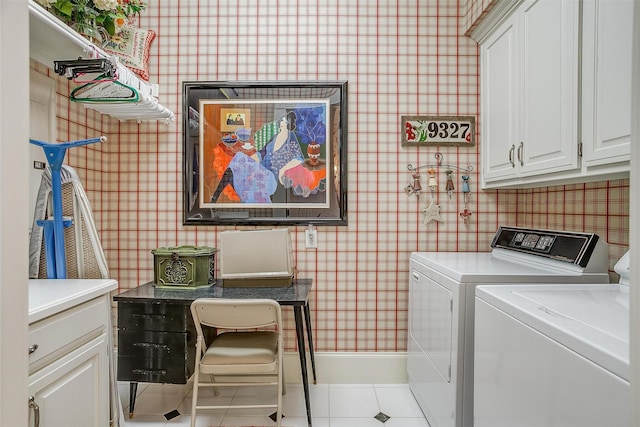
column 499, row 102
column 74, row 390
column 607, row 37
column 549, row 81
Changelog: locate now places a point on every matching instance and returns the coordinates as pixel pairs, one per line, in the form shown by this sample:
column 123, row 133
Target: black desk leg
column 133, row 391
column 297, row 312
column 307, row 320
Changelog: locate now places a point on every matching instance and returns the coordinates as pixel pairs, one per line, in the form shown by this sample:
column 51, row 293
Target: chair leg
column 279, row 413
column 284, row 384
column 194, row 397
column 216, row 390
column 280, row 388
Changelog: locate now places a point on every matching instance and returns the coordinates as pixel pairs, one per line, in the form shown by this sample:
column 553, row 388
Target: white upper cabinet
column 555, row 91
column 499, row 89
column 606, row 79
column 549, row 80
column 529, row 90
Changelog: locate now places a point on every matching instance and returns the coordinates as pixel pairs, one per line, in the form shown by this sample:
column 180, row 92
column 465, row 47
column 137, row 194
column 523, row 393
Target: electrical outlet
column 311, row 238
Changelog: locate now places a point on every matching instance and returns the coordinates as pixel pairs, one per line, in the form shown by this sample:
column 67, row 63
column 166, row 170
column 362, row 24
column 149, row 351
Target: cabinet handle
column 415, row 276
column 33, row 348
column 521, row 153
column 164, row 347
column 511, row 152
column 36, row 411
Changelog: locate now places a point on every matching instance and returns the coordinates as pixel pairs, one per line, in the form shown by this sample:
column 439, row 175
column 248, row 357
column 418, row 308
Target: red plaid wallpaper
column 400, row 58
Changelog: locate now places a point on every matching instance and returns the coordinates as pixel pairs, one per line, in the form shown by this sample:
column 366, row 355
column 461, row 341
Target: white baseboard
column 346, row 367
column 350, row 367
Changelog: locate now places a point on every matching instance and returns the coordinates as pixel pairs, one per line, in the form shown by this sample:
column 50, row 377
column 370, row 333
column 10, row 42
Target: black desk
column 156, row 334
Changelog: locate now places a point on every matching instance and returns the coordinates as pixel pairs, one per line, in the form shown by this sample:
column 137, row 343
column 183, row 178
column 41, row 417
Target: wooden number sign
column 438, row 131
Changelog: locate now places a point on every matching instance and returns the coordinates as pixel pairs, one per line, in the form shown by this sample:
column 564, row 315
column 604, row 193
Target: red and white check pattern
column 400, row 57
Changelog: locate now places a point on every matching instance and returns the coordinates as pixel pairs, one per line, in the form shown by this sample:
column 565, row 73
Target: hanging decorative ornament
column 449, row 186
column 432, row 183
column 432, row 212
column 465, row 184
column 417, row 187
column 414, row 187
column 465, row 213
column 408, row 189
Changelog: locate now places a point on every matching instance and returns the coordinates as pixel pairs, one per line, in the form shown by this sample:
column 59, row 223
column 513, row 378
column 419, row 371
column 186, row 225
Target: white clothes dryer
column 553, row 355
column 441, row 306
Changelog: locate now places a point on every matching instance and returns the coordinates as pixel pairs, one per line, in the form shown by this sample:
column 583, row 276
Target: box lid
column 185, row 250
column 255, row 254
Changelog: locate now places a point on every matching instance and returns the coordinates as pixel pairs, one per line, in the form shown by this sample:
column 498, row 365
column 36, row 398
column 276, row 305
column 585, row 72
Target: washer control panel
column 572, row 247
column 533, row 241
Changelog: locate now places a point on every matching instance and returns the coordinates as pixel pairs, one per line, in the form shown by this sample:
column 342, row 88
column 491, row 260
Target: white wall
column 14, row 127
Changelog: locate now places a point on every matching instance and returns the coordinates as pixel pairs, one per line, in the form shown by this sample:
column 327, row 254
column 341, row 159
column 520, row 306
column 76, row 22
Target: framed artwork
column 438, row 130
column 265, row 153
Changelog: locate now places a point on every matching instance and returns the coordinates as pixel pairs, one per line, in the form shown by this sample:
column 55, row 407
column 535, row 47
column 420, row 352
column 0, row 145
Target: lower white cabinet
column 71, row 391
column 69, row 367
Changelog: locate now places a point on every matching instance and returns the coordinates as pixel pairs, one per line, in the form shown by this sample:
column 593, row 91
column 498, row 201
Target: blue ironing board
column 54, row 229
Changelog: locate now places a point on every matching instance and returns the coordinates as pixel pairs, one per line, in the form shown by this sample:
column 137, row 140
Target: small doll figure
column 414, row 187
column 432, row 183
column 449, row 187
column 465, row 213
column 417, row 187
column 465, row 184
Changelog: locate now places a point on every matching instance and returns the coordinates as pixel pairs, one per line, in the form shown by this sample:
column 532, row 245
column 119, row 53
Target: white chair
column 240, row 350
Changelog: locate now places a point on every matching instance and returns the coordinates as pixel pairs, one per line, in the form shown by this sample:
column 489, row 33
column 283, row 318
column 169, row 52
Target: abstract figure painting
column 259, row 153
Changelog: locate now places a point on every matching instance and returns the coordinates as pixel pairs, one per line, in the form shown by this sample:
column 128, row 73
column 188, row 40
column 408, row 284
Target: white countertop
column 50, row 296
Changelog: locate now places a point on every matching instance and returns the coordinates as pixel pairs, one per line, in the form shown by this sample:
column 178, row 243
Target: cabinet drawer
column 62, row 333
column 155, row 344
column 153, row 316
column 155, row 369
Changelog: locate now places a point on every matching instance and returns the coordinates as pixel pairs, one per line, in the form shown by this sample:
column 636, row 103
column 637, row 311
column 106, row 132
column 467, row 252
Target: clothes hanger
column 103, row 90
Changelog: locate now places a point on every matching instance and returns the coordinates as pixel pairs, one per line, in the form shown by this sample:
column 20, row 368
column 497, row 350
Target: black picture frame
column 264, row 153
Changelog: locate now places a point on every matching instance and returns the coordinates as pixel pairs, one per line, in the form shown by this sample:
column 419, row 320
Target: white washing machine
column 553, row 355
column 441, row 306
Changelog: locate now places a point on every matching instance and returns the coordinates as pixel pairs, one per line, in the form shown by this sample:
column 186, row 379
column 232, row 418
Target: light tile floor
column 332, row 405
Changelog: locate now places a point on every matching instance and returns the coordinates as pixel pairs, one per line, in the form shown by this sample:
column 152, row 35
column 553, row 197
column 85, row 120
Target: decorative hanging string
column 415, row 187
column 432, row 212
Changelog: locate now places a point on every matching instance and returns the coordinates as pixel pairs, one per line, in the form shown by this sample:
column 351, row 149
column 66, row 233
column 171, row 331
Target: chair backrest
column 236, row 313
